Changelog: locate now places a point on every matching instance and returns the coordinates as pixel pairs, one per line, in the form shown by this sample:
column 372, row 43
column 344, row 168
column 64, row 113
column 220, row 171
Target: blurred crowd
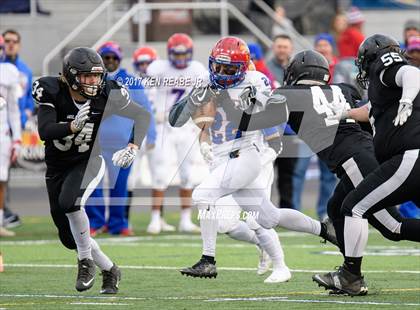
column 339, row 46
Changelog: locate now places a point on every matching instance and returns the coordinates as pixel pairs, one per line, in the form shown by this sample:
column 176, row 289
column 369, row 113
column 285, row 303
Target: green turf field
column 40, row 273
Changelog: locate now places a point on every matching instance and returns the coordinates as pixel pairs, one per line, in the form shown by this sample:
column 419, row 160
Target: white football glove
column 247, row 95
column 338, row 115
column 81, row 118
column 404, row 111
column 124, row 158
column 207, row 152
column 201, row 95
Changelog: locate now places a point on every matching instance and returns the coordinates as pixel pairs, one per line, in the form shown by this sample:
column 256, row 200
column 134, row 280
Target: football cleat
column 188, row 227
column 6, row 233
column 85, row 274
column 165, row 226
column 202, row 269
column 110, row 280
column 330, row 232
column 279, row 275
column 342, row 281
column 264, row 262
column 154, row 228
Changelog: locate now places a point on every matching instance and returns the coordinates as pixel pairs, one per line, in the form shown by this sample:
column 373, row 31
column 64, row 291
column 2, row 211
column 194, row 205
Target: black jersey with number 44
column 57, row 109
column 384, row 95
column 334, row 141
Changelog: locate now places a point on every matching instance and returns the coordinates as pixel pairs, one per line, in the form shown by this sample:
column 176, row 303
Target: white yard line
column 98, row 304
column 203, row 298
column 285, row 299
column 220, row 268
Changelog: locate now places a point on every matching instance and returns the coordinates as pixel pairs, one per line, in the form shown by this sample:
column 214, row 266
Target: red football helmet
column 180, row 49
column 228, row 62
column 143, row 57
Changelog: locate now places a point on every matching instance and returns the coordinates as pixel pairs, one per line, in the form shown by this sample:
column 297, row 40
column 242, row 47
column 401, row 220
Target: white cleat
column 264, row 263
column 165, row 226
column 279, row 276
column 154, row 228
column 6, row 233
column 188, row 227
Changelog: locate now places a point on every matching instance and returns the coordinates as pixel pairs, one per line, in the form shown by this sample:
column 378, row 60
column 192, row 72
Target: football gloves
column 125, row 157
column 201, row 95
column 81, row 118
column 207, row 152
column 404, row 111
column 247, row 96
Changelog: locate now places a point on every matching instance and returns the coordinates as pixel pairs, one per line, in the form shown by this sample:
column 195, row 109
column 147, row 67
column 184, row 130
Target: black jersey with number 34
column 57, row 109
column 384, row 95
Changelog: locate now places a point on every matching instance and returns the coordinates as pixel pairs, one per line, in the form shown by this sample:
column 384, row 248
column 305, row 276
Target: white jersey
column 10, row 91
column 170, row 84
column 225, row 137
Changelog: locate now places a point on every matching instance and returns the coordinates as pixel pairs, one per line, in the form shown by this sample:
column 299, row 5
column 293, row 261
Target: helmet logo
column 73, row 71
column 223, row 58
column 97, row 70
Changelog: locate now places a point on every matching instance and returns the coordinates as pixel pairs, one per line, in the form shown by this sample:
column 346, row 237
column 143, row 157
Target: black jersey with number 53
column 57, row 109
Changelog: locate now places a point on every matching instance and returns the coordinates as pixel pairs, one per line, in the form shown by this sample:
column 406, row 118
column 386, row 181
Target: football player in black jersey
column 70, row 111
column 393, row 88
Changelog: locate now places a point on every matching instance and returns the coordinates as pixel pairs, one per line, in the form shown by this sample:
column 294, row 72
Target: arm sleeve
column 140, row 97
column 48, row 128
column 408, row 78
column 119, row 103
column 14, row 112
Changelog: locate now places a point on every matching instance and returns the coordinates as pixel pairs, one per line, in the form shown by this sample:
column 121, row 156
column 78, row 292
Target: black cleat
column 202, row 269
column 329, row 234
column 110, row 280
column 85, row 274
column 342, row 281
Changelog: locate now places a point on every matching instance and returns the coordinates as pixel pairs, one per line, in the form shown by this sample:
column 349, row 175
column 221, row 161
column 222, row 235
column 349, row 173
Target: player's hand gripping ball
column 204, row 115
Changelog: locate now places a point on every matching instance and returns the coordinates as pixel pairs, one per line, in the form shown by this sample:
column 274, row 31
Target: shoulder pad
column 45, row 90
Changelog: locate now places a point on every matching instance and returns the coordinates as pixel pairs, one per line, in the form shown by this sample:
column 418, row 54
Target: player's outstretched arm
column 180, row 112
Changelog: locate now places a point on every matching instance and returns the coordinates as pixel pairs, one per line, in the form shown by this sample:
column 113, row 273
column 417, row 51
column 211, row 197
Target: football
column 204, row 115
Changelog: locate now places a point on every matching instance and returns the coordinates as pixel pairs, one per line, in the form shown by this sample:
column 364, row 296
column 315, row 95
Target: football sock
column 242, row 232
column 269, row 242
column 79, row 226
column 185, row 215
column 208, row 225
column 353, row 264
column 297, row 221
column 99, row 257
column 208, row 258
column 155, row 216
column 355, row 236
column 410, row 229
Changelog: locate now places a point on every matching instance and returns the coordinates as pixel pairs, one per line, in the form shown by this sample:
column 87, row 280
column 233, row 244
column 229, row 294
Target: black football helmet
column 84, row 60
column 371, row 49
column 307, row 65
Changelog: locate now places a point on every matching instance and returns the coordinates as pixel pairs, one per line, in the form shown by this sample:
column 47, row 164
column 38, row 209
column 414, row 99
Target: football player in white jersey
column 10, row 92
column 172, row 78
column 237, row 170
